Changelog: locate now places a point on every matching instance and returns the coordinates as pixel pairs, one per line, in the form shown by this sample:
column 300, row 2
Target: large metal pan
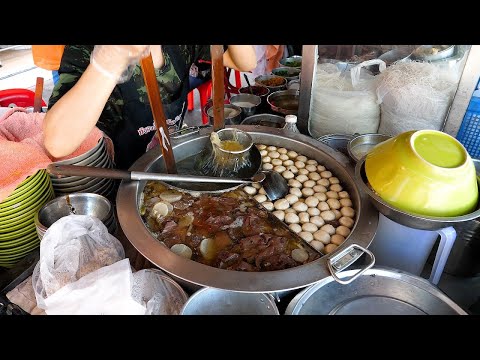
column 192, row 274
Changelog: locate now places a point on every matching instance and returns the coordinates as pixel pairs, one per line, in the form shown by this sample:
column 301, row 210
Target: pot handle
column 179, row 134
column 339, row 262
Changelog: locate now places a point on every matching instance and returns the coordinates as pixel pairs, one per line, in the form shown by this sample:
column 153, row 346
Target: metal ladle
column 274, row 184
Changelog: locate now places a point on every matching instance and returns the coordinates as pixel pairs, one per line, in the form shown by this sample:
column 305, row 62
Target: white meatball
column 296, row 191
column 288, row 163
column 317, row 220
column 260, row 198
column 284, row 157
column 261, row 146
column 287, row 174
column 262, row 191
column 330, row 248
column 302, row 178
column 268, row 205
column 329, row 229
column 280, row 169
column 299, row 255
column 334, row 204
column 307, row 192
column 347, row 211
column 274, row 154
column 296, row 228
column 320, row 189
column 311, row 201
column 314, row 176
column 304, row 217
column 267, row 166
column 343, row 195
column 326, row 175
column 279, row 214
column 311, row 168
column 320, row 196
column 303, row 172
column 317, row 245
column 337, row 239
column 290, row 210
column 336, row 187
column 299, row 164
column 281, row 204
column 300, row 206
column 294, row 183
column 263, row 153
column 292, row 199
column 293, row 169
column 271, row 148
column 305, row 235
column 309, row 184
column 257, row 185
column 292, row 218
column 277, row 162
column 313, row 211
column 327, row 215
column 323, row 182
column 322, row 236
column 346, row 202
column 320, row 168
column 282, row 151
column 309, row 227
column 292, row 154
column 266, row 159
column 332, row 194
column 250, row 190
column 337, row 213
column 182, row 250
column 323, row 206
column 333, row 180
column 343, row 230
column 312, row 162
column 346, row 221
column 302, row 158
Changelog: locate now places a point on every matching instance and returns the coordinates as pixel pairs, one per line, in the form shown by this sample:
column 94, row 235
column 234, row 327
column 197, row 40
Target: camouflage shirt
column 127, row 118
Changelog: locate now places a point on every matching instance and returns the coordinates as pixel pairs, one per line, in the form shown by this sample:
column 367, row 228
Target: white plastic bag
column 72, row 247
column 344, row 102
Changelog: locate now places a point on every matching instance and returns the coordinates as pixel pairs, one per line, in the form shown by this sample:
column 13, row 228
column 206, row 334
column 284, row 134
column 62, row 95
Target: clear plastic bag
column 72, row 247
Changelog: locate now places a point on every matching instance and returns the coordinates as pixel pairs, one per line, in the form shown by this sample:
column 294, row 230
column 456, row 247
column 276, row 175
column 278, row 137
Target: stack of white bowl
column 97, row 156
column 79, row 204
column 17, row 229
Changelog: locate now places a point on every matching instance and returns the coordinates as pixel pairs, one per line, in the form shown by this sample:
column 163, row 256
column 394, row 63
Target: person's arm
column 240, row 57
column 73, row 116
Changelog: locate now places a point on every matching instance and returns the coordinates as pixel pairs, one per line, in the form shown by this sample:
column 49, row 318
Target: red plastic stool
column 205, row 92
column 18, row 97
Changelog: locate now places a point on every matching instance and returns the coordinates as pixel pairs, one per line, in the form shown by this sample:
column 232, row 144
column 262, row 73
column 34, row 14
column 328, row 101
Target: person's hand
column 118, row 61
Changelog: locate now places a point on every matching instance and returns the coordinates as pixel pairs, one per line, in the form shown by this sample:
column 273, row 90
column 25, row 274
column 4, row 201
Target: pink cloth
column 22, row 150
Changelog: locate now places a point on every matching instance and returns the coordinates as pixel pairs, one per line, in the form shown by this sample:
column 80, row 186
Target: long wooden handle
column 37, row 100
column 155, row 99
column 218, row 75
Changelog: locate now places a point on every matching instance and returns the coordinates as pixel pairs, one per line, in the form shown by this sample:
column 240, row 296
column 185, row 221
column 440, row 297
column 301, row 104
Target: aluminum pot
column 192, row 274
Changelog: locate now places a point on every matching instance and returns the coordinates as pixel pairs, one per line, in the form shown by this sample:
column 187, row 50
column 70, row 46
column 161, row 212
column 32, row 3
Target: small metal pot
column 360, row 145
column 284, row 102
column 233, row 114
column 247, row 102
column 292, row 61
column 266, row 80
column 289, row 73
column 275, row 121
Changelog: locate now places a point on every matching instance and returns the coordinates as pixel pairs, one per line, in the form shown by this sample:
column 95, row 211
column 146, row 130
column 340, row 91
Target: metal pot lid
column 379, row 291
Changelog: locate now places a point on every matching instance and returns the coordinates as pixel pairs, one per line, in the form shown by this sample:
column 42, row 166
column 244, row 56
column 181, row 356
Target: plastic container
column 407, row 249
column 291, row 123
column 469, row 132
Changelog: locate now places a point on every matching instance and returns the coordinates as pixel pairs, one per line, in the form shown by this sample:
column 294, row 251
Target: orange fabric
column 22, row 148
column 273, row 54
column 47, row 56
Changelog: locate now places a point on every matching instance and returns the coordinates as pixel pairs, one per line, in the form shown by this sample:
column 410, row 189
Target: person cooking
column 103, row 86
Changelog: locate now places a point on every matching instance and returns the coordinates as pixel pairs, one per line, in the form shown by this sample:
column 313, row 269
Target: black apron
column 137, row 127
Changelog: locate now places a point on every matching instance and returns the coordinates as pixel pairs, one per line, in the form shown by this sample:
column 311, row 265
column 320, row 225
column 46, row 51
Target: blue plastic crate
column 469, row 133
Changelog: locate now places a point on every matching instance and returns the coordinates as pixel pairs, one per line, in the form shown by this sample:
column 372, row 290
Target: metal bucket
column 210, row 301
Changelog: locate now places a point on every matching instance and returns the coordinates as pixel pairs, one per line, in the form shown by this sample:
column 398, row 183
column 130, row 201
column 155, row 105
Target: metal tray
column 379, row 291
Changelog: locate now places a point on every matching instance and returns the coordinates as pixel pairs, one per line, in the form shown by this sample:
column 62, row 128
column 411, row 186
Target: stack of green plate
column 18, row 235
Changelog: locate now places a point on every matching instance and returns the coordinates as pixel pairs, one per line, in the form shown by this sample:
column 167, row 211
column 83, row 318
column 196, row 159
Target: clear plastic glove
column 118, row 61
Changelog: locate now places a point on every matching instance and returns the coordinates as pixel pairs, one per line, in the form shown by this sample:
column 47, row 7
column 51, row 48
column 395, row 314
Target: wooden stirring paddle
column 155, row 99
column 218, row 75
column 37, row 100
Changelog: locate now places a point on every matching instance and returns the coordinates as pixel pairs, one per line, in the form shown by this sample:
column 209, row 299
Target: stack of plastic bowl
column 98, row 157
column 17, row 228
column 79, row 204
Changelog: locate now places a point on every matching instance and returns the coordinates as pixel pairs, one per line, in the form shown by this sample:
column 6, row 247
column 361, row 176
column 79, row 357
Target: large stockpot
column 192, row 274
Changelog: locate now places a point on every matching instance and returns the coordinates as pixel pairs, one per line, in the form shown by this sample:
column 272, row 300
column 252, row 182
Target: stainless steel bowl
column 284, row 102
column 232, row 114
column 247, row 102
column 293, row 85
column 271, row 120
column 361, row 145
column 289, row 73
column 263, row 80
column 337, row 141
column 192, row 274
column 425, row 53
column 292, row 61
column 411, row 220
